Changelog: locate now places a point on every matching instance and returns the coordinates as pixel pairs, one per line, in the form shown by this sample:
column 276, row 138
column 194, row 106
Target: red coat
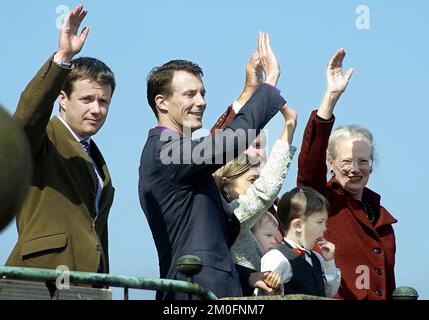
column 361, row 248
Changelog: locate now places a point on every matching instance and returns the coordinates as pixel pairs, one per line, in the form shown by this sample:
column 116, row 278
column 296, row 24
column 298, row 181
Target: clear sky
column 389, row 53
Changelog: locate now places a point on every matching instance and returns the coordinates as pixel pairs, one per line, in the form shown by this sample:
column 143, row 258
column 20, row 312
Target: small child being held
column 264, row 231
column 303, row 213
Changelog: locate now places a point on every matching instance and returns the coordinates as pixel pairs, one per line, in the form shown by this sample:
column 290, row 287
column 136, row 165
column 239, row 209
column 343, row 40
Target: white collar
column 76, row 136
column 293, row 244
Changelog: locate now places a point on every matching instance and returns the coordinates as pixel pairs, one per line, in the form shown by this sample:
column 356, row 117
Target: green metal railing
column 186, row 265
column 99, row 279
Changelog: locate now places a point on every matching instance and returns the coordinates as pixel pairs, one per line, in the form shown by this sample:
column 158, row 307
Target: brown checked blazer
column 57, row 224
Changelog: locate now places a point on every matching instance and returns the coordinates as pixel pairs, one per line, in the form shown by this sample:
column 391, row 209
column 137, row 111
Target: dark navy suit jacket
column 184, row 209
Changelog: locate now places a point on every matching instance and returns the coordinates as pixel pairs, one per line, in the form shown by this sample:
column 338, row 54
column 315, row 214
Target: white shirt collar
column 76, row 136
column 293, row 244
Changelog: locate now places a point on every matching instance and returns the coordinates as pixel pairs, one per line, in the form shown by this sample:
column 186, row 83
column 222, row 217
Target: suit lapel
column 108, row 190
column 73, row 148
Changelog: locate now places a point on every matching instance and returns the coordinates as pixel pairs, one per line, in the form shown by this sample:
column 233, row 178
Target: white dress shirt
column 100, row 180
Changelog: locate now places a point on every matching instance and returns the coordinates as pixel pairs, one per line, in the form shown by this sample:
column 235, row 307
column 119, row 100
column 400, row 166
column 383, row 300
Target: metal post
column 189, row 266
column 405, row 293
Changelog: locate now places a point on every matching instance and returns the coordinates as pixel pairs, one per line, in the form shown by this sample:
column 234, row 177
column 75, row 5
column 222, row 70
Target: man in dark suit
column 63, row 220
column 179, row 197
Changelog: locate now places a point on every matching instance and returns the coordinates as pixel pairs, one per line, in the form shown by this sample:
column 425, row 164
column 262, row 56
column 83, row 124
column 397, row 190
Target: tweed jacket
column 57, row 224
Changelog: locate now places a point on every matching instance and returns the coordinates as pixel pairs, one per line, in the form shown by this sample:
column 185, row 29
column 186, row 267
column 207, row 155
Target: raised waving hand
column 71, row 42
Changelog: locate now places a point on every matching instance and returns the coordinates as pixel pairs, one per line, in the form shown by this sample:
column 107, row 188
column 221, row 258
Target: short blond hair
column 267, row 217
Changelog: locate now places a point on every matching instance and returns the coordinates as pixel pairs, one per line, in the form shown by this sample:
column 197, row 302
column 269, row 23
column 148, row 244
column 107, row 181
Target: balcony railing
column 187, row 265
column 50, row 276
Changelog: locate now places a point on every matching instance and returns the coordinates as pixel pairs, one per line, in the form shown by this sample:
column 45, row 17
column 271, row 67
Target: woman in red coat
column 358, row 225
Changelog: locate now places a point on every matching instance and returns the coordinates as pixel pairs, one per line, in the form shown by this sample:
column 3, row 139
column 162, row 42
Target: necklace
column 369, row 212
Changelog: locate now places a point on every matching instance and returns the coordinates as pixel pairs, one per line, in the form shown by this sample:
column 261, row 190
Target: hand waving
column 269, row 63
column 253, row 73
column 70, row 42
column 337, row 83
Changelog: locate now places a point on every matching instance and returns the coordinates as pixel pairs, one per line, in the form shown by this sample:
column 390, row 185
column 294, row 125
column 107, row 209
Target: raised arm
column 211, row 152
column 261, row 194
column 336, row 84
column 269, row 63
column 312, row 157
column 290, row 117
column 252, row 82
column 37, row 100
column 253, row 78
column 70, row 42
column 256, row 72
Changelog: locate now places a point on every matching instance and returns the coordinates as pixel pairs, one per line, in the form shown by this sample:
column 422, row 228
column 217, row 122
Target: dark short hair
column 300, row 203
column 159, row 79
column 91, row 69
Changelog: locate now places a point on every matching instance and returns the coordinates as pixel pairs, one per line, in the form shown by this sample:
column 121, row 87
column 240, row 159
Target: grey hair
column 346, row 132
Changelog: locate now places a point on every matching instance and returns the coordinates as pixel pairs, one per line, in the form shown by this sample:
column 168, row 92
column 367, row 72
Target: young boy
column 303, row 212
column 264, row 231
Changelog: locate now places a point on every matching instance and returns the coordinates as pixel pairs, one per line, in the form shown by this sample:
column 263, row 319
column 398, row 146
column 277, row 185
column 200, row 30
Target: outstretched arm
column 312, row 157
column 336, row 84
column 260, row 195
column 37, row 100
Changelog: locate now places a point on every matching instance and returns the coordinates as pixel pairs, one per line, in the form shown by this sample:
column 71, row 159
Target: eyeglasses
column 347, row 164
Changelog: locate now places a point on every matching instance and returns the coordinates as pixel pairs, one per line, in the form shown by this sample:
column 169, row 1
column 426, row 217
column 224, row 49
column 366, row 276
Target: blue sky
column 386, row 93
